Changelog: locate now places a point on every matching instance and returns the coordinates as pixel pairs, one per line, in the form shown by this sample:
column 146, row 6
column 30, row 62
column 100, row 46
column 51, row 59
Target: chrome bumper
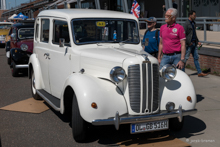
column 117, row 120
column 22, row 66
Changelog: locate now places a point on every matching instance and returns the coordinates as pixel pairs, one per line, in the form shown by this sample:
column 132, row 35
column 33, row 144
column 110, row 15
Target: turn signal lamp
column 94, row 105
column 16, row 51
column 189, row 98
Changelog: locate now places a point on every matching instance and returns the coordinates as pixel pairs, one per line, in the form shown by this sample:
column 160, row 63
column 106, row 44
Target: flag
column 135, row 9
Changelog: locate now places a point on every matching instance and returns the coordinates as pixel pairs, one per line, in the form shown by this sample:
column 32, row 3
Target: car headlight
column 168, row 72
column 117, row 74
column 24, row 47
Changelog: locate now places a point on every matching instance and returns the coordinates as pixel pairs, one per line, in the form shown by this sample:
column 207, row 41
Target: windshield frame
column 109, row 41
column 7, row 27
column 24, row 37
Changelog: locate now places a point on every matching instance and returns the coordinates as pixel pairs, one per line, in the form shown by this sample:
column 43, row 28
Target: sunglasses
column 168, row 16
column 149, row 22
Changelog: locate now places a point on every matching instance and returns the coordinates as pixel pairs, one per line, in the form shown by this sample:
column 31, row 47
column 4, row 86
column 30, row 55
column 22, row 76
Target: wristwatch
column 183, row 60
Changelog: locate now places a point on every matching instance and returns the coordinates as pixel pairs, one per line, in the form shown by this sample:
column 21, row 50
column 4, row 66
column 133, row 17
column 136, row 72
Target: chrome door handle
column 47, row 55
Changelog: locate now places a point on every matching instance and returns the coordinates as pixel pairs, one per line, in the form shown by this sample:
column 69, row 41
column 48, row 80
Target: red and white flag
column 135, row 9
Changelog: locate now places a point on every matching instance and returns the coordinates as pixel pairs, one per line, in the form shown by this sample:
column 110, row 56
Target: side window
column 45, row 25
column 60, row 30
column 36, row 32
column 15, row 34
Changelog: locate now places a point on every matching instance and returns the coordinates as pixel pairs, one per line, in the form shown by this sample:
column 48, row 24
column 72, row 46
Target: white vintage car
column 89, row 65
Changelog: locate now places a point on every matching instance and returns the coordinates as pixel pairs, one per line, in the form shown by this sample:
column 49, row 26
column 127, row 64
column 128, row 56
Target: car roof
column 23, row 25
column 6, row 23
column 85, row 13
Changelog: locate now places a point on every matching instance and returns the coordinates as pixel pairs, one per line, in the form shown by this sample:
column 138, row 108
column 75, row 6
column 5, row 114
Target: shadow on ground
column 108, row 135
column 192, row 127
column 199, row 98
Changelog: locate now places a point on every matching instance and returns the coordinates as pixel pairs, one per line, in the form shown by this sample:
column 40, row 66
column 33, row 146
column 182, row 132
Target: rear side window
column 60, row 30
column 45, row 25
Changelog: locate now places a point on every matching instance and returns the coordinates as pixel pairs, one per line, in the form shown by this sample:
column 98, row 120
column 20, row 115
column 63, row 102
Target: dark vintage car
column 20, row 46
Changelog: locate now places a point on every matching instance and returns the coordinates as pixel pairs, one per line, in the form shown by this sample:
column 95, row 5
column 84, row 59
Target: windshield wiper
column 122, row 42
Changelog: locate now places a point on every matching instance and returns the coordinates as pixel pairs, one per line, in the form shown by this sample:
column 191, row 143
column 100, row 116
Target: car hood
column 4, row 31
column 99, row 61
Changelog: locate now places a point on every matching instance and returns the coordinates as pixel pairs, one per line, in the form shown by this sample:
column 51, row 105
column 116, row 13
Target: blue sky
column 12, row 4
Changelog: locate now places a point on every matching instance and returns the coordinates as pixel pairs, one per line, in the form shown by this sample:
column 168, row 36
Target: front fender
column 105, row 94
column 35, row 66
column 177, row 91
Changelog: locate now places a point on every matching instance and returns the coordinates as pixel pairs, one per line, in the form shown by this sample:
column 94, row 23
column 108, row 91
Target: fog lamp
column 170, row 106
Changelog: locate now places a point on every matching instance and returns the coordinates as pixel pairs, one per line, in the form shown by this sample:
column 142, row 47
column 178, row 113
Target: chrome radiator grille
column 148, row 102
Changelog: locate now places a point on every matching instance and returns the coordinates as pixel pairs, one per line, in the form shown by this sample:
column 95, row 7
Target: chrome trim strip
column 22, row 66
column 49, row 102
column 144, row 80
column 150, row 89
column 145, row 118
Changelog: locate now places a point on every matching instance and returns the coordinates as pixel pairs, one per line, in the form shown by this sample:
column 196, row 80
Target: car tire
column 9, row 61
column 175, row 125
column 33, row 89
column 79, row 125
column 14, row 70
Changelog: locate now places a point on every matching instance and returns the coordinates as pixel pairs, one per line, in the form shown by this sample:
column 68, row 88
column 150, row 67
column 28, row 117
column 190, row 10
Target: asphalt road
column 50, row 128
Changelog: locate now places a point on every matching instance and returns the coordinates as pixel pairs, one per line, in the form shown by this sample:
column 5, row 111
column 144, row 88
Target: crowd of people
column 173, row 43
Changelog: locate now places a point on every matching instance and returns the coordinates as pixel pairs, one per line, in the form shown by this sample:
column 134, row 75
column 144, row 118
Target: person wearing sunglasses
column 151, row 37
column 172, row 41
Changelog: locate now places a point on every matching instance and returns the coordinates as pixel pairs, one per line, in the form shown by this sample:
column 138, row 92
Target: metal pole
column 204, row 29
column 97, row 4
column 79, row 4
column 125, row 6
column 65, row 5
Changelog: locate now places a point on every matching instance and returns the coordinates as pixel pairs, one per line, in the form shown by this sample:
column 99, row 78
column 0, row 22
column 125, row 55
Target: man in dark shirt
column 192, row 41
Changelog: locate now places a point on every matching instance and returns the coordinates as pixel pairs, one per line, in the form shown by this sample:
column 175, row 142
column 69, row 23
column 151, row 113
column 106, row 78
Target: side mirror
column 61, row 42
column 13, row 36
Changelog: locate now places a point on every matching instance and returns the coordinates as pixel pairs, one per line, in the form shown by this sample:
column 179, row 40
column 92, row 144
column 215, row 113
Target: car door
column 42, row 47
column 59, row 63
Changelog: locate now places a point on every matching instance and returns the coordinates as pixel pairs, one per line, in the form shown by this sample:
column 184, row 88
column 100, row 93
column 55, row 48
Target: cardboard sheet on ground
column 29, row 105
column 165, row 141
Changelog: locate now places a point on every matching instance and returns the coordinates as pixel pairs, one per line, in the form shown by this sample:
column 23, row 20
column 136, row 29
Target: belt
column 193, row 41
column 170, row 54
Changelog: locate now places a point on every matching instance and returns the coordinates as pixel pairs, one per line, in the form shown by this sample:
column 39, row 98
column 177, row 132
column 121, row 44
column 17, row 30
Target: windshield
column 5, row 26
column 105, row 30
column 25, row 33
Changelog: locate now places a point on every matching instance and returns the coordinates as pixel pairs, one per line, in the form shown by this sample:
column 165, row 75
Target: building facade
column 148, row 7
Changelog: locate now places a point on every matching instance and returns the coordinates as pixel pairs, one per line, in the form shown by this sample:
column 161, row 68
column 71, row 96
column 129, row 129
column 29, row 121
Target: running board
column 51, row 100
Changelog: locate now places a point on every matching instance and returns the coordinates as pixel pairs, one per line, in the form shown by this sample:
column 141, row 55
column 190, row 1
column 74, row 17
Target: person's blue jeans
column 193, row 49
column 170, row 59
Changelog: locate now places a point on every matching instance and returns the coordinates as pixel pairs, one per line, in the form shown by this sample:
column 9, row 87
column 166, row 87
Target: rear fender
column 89, row 89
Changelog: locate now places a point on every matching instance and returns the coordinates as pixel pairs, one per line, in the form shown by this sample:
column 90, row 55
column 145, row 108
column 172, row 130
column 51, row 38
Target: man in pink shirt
column 172, row 41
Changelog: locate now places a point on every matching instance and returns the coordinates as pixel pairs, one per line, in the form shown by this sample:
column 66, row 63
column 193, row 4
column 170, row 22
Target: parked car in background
column 89, row 65
column 20, row 46
column 4, row 29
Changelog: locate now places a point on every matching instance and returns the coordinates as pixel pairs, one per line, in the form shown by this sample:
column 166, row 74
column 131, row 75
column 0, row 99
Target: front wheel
column 175, row 125
column 79, row 125
column 33, row 89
